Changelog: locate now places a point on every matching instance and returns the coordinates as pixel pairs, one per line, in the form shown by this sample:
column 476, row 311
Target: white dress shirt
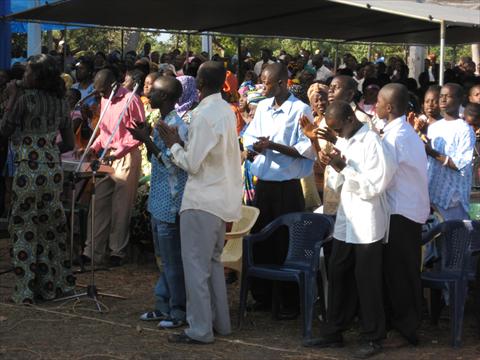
column 407, row 192
column 323, row 73
column 362, row 216
column 211, row 158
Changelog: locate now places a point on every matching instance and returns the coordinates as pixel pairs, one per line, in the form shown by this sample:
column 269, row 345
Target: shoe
column 153, row 316
column 182, row 338
column 171, row 323
column 368, row 350
column 115, row 261
column 329, row 341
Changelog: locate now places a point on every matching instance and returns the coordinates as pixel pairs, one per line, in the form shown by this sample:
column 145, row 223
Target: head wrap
column 245, row 87
column 68, row 80
column 316, row 88
column 189, row 94
column 254, row 97
column 230, row 86
column 300, row 92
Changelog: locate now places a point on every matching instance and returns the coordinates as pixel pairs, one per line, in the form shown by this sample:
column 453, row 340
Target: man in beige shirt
column 212, row 197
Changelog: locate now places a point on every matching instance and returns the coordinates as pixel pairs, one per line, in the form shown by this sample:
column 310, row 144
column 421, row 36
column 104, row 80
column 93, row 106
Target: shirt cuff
column 305, row 149
column 175, row 148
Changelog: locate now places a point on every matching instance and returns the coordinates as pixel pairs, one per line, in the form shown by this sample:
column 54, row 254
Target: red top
column 122, row 142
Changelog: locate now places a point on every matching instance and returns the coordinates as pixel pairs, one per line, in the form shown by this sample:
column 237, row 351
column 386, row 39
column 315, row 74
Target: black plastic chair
column 457, row 241
column 307, row 234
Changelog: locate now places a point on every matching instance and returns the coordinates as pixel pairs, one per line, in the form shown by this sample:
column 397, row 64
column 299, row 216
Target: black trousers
column 403, row 287
column 275, row 198
column 355, row 286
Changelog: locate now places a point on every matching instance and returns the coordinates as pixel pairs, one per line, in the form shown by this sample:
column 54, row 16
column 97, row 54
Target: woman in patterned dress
column 37, row 226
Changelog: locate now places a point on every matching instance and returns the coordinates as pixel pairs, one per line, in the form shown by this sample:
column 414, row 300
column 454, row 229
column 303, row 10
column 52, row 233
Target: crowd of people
column 365, row 143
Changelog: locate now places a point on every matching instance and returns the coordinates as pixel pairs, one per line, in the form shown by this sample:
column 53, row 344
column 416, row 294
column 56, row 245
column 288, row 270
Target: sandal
column 171, row 323
column 153, row 316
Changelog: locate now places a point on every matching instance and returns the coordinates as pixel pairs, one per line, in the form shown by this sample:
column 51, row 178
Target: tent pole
column 454, row 60
column 442, row 52
column 65, row 51
column 187, row 52
column 240, row 62
column 5, row 37
column 122, row 38
column 336, row 59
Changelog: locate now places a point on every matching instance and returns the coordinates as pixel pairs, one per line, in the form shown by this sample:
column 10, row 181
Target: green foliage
column 95, row 39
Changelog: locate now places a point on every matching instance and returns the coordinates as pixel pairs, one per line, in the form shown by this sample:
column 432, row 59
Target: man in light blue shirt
column 166, row 191
column 450, row 152
column 283, row 155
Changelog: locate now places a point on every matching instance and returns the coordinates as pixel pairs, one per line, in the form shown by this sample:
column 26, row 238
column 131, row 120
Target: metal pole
column 187, row 52
column 335, row 66
column 369, row 56
column 122, row 35
column 454, row 60
column 240, row 72
column 442, row 53
column 65, row 51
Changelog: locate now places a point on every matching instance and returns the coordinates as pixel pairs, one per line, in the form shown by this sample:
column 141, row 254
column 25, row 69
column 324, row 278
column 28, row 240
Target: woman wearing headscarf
column 37, row 226
column 312, row 185
column 189, row 99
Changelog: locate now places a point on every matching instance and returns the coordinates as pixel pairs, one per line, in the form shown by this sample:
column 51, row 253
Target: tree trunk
column 132, row 40
column 476, row 55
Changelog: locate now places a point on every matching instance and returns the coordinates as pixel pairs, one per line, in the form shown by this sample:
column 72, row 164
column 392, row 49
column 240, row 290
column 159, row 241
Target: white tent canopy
column 434, row 12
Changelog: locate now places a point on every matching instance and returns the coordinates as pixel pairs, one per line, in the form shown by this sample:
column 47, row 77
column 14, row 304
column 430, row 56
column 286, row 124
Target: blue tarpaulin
column 5, row 37
column 22, row 5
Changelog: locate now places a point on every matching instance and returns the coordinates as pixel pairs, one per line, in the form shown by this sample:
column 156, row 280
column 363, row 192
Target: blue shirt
column 282, row 126
column 447, row 187
column 84, row 92
column 167, row 181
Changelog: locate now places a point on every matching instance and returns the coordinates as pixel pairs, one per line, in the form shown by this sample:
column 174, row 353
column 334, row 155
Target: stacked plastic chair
column 457, row 241
column 307, row 234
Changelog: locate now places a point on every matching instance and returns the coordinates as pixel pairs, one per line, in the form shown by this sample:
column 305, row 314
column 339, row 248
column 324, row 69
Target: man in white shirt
column 323, row 73
column 409, row 204
column 212, row 197
column 266, row 59
column 355, row 269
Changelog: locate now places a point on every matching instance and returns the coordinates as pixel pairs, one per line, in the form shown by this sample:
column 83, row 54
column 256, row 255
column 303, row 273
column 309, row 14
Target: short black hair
column 457, row 90
column 398, row 96
column 171, row 87
column 339, row 109
column 213, row 74
column 472, row 109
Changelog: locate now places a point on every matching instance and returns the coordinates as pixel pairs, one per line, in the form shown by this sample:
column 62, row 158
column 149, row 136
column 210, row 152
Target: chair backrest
column 246, row 222
column 306, row 230
column 455, row 245
column 475, row 243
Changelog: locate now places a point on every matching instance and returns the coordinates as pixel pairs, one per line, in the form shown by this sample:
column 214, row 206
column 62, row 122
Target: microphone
column 85, row 98
column 115, row 86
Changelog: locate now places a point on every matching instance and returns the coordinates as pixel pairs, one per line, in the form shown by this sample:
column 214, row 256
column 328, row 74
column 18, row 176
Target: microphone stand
column 92, row 291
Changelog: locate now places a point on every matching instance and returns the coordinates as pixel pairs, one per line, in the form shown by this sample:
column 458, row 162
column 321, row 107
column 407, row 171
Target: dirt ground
column 74, row 330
